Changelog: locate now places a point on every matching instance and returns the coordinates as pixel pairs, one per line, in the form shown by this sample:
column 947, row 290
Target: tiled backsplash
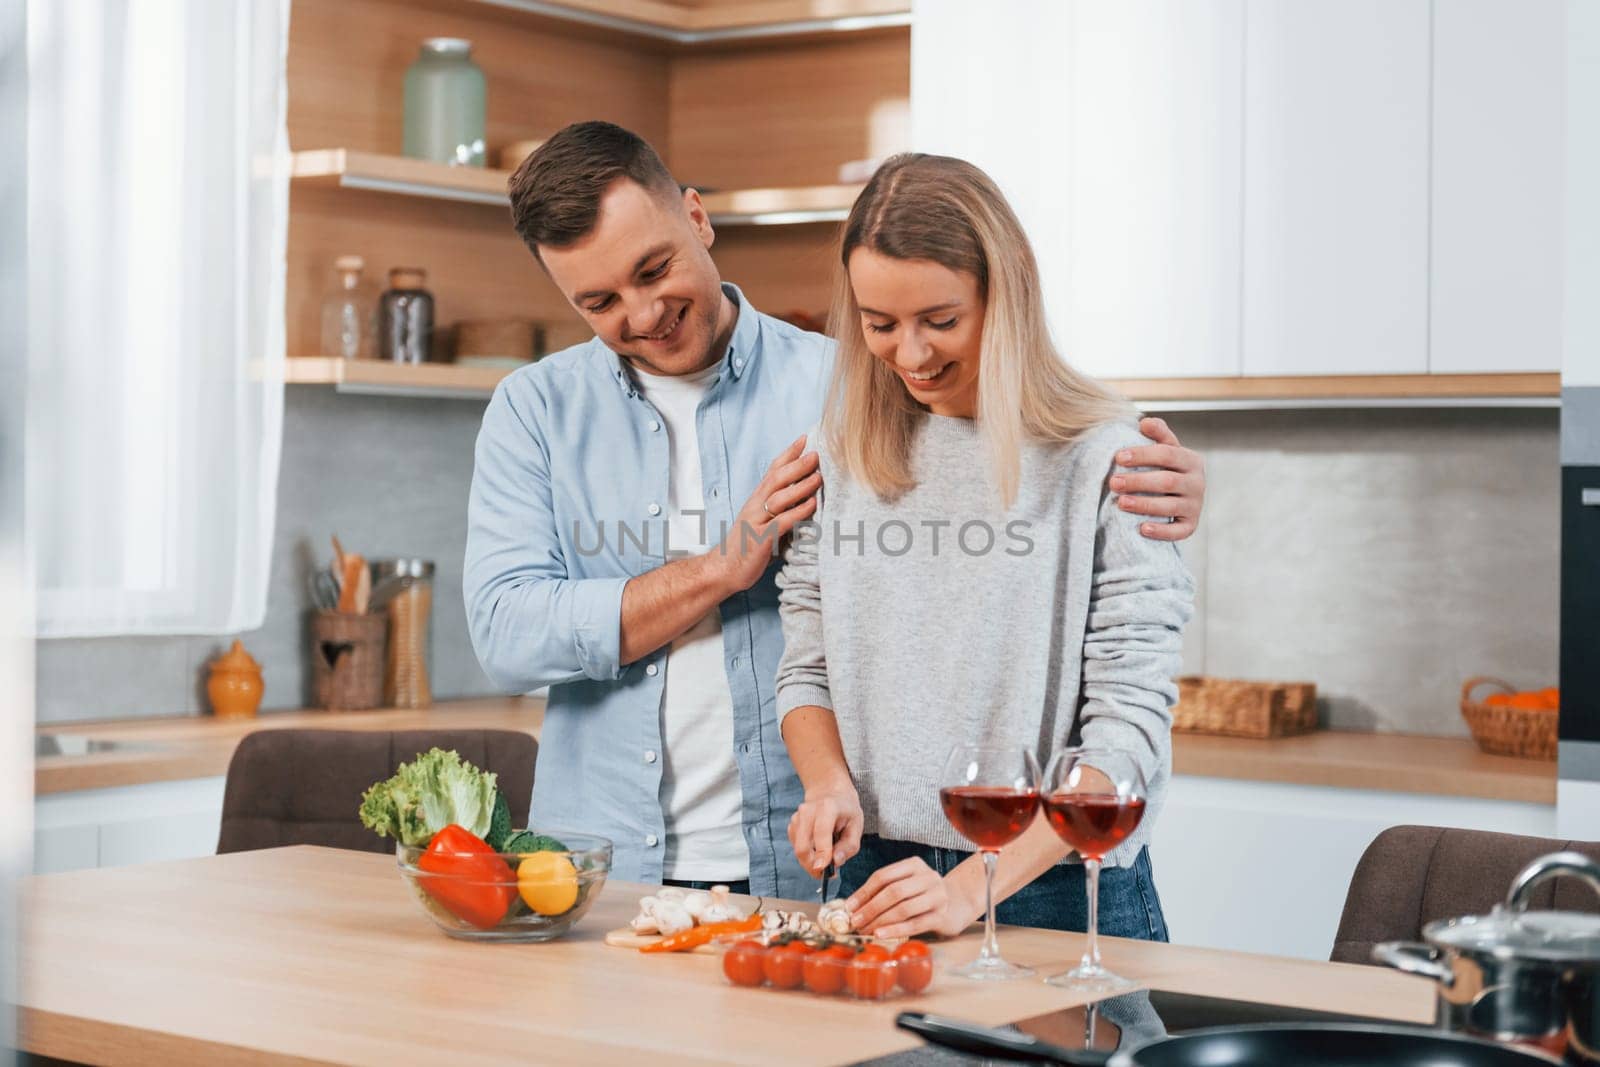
column 1386, row 555
column 390, row 476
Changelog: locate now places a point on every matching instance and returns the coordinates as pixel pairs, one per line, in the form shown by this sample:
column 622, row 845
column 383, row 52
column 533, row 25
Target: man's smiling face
column 644, row 281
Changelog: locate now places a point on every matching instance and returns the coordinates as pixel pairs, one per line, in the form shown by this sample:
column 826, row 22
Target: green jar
column 444, row 104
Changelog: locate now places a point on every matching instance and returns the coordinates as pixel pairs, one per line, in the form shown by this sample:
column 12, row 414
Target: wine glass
column 990, row 795
column 1094, row 798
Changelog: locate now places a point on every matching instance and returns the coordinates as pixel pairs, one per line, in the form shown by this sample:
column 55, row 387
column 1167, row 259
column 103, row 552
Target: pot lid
column 1556, row 936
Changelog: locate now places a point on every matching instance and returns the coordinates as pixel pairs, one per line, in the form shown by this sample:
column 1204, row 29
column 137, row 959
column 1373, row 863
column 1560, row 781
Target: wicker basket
column 1507, row 731
column 347, row 660
column 1244, row 709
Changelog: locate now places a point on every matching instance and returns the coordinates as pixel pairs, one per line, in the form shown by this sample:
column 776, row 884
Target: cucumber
column 499, row 824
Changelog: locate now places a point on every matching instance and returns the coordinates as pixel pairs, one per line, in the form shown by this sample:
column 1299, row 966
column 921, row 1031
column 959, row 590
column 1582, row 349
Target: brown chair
column 1411, row 875
column 303, row 787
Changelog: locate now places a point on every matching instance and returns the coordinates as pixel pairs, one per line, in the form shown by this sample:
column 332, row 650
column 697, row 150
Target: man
column 624, row 511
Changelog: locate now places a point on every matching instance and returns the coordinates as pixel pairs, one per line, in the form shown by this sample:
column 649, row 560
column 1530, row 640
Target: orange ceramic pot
column 235, row 684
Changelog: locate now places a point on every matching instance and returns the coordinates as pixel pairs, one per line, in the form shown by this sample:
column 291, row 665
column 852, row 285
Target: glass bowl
column 508, row 896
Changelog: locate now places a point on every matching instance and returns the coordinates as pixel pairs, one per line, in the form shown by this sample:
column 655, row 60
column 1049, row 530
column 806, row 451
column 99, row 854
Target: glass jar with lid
column 403, row 588
column 444, row 104
column 349, row 311
column 405, row 317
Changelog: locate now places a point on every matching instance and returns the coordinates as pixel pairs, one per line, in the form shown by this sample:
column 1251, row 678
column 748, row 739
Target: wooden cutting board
column 626, row 938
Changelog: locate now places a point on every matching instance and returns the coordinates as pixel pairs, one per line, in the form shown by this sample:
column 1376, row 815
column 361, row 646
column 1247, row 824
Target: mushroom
column 834, row 918
column 664, row 913
column 787, row 922
column 672, row 917
column 713, row 907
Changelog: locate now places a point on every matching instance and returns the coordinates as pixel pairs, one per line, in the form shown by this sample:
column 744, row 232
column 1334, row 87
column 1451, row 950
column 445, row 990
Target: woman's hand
column 827, row 826
column 1174, row 489
column 909, row 898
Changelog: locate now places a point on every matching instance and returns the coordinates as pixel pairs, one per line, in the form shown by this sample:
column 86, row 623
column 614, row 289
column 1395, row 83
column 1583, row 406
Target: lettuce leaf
column 435, row 790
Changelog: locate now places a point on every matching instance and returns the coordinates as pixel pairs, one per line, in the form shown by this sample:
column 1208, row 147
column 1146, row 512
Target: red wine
column 991, row 817
column 1093, row 823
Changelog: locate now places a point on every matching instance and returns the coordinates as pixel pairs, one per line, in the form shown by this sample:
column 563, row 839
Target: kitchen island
column 311, row 955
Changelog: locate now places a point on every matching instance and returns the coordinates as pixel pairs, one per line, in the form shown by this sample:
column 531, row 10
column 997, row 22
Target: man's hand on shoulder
column 1174, row 489
column 786, row 497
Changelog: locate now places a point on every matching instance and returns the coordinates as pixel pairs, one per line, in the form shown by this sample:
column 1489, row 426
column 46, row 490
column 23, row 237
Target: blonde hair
column 948, row 211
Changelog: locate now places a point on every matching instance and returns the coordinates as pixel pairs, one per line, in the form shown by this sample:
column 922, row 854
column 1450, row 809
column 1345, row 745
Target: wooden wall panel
column 347, row 63
column 779, row 268
column 764, row 114
column 787, row 114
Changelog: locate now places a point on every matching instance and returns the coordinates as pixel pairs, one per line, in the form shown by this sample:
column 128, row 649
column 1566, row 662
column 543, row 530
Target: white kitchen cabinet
column 1336, row 187
column 1580, row 365
column 1156, row 121
column 1113, row 130
column 126, row 824
column 990, row 84
column 1264, row 866
column 1267, row 189
column 1498, row 137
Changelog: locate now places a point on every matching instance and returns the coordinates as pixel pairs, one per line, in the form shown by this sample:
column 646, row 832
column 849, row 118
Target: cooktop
column 1130, row 1019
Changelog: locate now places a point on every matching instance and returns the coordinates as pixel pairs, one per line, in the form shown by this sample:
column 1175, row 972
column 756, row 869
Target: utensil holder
column 347, row 660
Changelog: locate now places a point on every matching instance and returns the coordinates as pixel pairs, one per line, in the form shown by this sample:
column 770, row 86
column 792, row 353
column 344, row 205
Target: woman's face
column 925, row 321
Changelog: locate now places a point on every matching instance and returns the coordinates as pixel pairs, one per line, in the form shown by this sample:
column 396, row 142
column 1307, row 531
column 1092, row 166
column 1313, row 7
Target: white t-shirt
column 700, row 794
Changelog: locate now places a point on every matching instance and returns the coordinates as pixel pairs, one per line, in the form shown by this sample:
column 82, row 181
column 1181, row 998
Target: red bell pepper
column 466, row 876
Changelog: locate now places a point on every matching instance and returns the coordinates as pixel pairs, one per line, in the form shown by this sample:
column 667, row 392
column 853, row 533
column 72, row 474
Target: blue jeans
column 1056, row 900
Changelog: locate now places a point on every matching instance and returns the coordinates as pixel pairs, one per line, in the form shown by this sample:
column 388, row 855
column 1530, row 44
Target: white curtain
column 157, row 220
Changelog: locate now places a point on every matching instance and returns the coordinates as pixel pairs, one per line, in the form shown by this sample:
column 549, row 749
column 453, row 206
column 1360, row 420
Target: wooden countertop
column 195, row 746
column 1406, row 763
column 311, row 955
column 201, row 746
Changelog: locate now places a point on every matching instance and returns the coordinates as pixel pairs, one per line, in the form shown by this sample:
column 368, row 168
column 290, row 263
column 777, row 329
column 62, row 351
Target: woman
column 970, row 576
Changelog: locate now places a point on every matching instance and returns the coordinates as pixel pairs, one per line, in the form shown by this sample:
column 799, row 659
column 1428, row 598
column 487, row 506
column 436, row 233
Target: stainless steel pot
column 1528, row 977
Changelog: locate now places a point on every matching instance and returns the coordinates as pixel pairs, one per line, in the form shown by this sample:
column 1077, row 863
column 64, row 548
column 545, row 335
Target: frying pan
column 1268, row 1045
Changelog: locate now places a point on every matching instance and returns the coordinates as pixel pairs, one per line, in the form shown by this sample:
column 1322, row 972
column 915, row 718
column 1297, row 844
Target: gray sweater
column 939, row 618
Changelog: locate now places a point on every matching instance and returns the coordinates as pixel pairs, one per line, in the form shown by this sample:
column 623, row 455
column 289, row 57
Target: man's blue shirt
column 569, row 501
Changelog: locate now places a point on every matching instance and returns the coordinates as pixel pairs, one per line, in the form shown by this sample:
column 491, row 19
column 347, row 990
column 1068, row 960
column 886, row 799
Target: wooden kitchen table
column 313, row 955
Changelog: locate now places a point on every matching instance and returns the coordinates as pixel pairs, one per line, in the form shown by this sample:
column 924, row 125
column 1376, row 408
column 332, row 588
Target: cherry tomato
column 785, row 965
column 742, row 963
column 824, row 970
column 870, row 976
column 914, row 966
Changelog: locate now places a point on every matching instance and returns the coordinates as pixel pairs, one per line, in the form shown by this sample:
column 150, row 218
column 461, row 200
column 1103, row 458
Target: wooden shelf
column 445, row 379
column 349, row 169
column 1367, row 390
column 394, row 379
column 719, row 21
column 766, row 207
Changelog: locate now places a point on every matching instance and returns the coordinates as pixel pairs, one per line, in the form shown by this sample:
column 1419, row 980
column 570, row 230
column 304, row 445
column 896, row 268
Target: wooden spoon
column 355, row 567
column 363, row 596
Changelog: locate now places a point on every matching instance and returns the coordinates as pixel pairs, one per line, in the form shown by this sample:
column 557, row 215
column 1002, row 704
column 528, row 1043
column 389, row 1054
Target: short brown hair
column 555, row 194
